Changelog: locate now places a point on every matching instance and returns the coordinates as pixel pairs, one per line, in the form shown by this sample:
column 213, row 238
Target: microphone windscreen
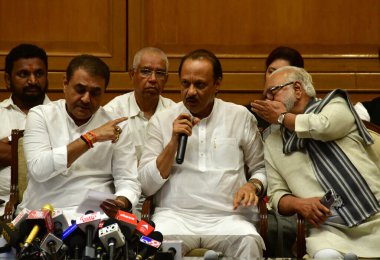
column 211, row 255
column 350, row 256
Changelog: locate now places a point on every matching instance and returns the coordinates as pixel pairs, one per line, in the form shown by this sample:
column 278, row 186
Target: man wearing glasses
column 321, row 145
column 149, row 75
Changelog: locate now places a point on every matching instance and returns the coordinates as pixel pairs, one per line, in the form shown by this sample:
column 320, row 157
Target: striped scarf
column 333, row 169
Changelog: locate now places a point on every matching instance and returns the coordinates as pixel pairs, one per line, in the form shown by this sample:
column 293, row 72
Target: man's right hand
column 183, row 124
column 313, row 211
column 110, row 131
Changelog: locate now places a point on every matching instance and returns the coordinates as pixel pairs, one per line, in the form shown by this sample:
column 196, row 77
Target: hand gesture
column 268, row 110
column 110, row 131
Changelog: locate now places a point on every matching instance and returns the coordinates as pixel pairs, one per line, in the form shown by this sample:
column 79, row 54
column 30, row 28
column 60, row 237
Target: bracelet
column 89, row 138
column 259, row 187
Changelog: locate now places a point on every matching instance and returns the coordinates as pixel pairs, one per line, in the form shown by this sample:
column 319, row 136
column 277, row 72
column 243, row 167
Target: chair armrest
column 263, row 214
column 301, row 242
column 147, row 209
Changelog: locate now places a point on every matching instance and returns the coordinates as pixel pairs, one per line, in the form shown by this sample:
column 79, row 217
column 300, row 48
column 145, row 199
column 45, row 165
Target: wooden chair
column 18, row 175
column 374, row 130
column 148, row 209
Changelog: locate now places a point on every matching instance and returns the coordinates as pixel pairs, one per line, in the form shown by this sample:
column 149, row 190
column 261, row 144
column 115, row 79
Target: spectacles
column 147, row 73
column 271, row 92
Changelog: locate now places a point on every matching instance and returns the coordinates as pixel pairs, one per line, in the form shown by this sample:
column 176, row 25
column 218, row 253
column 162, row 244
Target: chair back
column 18, row 175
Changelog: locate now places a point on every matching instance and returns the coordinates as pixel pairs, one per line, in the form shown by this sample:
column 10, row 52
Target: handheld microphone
column 150, row 245
column 181, row 148
column 89, row 224
column 41, row 220
column 51, row 244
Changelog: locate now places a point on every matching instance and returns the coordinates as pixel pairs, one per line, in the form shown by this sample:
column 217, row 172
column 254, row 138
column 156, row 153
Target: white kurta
column 107, row 167
column 294, row 174
column 198, row 195
column 126, row 105
column 11, row 117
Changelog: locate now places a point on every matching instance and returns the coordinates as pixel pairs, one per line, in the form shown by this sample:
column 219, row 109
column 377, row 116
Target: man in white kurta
column 205, row 201
column 108, row 167
column 293, row 186
column 26, row 77
column 74, row 145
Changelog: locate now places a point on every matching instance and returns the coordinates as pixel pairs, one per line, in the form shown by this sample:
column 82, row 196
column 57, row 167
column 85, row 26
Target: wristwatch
column 281, row 118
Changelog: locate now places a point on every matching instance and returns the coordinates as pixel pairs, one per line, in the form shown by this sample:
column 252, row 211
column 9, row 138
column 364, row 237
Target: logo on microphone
column 150, row 241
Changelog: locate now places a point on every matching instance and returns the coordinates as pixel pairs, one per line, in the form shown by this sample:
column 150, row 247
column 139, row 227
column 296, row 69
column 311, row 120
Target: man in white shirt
column 25, row 76
column 208, row 200
column 149, row 75
column 73, row 145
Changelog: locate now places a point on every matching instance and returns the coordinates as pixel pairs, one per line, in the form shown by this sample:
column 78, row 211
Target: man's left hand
column 246, row 196
column 111, row 207
column 268, row 110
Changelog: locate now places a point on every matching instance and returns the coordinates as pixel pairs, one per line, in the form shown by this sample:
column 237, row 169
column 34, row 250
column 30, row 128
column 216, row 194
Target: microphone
column 89, row 224
column 52, row 241
column 20, row 218
column 111, row 237
column 350, row 256
column 59, row 217
column 127, row 219
column 212, row 255
column 145, row 228
column 181, row 148
column 74, row 238
column 10, row 233
column 170, row 250
column 150, row 245
column 39, row 220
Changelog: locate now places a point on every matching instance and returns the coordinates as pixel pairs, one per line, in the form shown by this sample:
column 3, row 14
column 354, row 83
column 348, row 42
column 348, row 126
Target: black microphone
column 150, row 245
column 74, row 238
column 89, row 224
column 181, row 148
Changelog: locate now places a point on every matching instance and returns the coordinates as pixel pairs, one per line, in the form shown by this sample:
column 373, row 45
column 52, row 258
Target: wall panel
column 339, row 39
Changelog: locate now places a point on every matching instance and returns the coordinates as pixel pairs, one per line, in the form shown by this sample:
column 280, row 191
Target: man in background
column 26, row 68
column 149, row 74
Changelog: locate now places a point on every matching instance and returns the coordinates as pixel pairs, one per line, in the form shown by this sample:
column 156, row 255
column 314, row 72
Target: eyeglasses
column 147, row 73
column 271, row 92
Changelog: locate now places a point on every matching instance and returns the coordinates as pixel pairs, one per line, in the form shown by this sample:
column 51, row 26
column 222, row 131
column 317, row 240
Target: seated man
column 206, row 201
column 25, row 76
column 149, row 75
column 321, row 145
column 73, row 145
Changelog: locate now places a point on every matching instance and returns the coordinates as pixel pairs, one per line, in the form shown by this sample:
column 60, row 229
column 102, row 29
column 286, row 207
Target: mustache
column 33, row 86
column 191, row 99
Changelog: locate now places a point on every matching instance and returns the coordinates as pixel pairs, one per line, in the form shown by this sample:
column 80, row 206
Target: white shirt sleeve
column 43, row 162
column 362, row 112
column 149, row 175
